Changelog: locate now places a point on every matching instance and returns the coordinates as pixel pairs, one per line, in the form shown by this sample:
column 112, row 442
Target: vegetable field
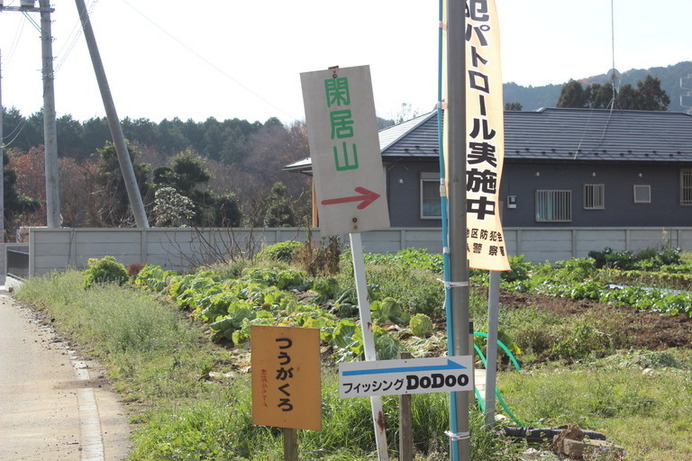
column 590, row 334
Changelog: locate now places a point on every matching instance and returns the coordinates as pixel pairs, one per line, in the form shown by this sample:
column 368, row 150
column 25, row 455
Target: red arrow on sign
column 366, row 197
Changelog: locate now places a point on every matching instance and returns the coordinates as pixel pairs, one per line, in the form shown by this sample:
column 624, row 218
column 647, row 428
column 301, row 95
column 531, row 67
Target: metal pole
column 491, row 352
column 2, row 162
column 368, row 339
column 50, row 139
column 444, row 215
column 456, row 181
column 113, row 122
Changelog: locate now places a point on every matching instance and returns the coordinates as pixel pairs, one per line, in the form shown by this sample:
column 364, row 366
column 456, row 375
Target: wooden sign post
column 286, row 387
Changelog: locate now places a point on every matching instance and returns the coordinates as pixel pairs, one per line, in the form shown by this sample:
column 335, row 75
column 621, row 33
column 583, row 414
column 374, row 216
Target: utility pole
column 2, row 162
column 113, row 122
column 456, row 183
column 50, row 138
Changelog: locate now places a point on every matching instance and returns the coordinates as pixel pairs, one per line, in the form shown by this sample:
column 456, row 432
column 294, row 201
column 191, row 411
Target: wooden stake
column 290, row 444
column 405, row 422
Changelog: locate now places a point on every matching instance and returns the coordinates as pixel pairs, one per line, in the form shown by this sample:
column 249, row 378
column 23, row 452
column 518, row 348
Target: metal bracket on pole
column 454, row 284
column 458, row 436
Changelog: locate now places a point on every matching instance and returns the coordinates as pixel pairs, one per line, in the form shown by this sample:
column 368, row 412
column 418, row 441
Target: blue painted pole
column 457, row 300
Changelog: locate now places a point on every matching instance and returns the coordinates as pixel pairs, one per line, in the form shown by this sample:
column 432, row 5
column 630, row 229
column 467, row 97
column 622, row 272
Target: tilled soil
column 647, row 330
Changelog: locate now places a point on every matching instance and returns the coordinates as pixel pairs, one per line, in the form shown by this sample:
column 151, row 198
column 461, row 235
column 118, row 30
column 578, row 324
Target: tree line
column 224, row 141
column 211, row 173
column 647, row 95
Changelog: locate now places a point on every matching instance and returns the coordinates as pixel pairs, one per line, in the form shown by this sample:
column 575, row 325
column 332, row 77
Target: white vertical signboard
column 345, row 150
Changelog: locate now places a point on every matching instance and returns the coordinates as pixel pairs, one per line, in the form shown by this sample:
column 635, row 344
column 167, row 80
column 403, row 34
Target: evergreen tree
column 186, row 176
column 278, row 207
column 651, row 95
column 115, row 210
column 599, row 96
column 647, row 96
column 627, row 97
column 572, row 95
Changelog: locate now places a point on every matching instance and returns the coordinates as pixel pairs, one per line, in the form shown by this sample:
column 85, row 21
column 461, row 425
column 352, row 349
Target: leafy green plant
column 223, row 328
column 105, row 270
column 326, row 288
column 154, row 278
column 421, row 325
column 388, row 310
column 416, row 291
column 283, row 279
column 648, row 259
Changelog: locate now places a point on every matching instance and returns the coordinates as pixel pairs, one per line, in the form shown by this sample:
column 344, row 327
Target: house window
column 594, row 196
column 553, row 205
column 430, row 207
column 642, row 193
column 686, row 187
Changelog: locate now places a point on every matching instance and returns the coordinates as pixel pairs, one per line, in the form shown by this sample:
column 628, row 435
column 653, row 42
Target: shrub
column 104, row 270
column 282, row 251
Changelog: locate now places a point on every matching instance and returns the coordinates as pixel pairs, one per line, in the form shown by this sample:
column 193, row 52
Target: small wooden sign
column 286, row 387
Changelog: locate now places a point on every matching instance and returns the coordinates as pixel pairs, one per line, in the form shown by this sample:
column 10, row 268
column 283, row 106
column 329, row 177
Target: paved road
column 53, row 406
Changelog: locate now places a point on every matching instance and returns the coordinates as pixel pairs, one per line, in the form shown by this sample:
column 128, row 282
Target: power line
column 73, row 37
column 209, row 63
column 15, row 41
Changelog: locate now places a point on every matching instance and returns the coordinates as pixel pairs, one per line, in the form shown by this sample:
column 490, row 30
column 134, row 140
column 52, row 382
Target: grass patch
column 162, row 361
column 645, row 410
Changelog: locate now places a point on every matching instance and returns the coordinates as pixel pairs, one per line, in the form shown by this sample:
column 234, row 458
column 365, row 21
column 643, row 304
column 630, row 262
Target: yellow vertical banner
column 485, row 141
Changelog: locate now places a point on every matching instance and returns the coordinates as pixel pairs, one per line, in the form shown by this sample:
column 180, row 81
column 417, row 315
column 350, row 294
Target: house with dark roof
column 563, row 168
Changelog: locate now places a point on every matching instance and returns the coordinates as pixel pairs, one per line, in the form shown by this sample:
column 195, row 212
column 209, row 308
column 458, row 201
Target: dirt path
column 53, row 406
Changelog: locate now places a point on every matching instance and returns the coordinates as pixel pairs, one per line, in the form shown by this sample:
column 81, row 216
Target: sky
column 242, row 59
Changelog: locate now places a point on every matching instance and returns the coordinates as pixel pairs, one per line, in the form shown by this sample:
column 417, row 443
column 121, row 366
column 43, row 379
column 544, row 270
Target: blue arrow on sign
column 451, row 365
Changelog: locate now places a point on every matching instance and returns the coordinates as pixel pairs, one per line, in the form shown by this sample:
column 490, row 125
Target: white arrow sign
column 410, row 376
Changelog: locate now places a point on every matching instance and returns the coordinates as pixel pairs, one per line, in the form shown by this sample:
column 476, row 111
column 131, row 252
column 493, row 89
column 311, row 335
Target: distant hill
column 535, row 97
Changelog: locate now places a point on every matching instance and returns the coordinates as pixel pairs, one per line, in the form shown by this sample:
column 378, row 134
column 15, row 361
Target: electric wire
column 18, row 129
column 14, row 134
column 15, row 41
column 209, row 63
column 75, row 34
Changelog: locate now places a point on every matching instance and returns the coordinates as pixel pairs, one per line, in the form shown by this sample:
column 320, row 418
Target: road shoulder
column 53, row 405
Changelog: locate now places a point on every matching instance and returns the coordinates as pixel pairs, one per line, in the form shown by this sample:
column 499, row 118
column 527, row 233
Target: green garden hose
column 479, row 399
